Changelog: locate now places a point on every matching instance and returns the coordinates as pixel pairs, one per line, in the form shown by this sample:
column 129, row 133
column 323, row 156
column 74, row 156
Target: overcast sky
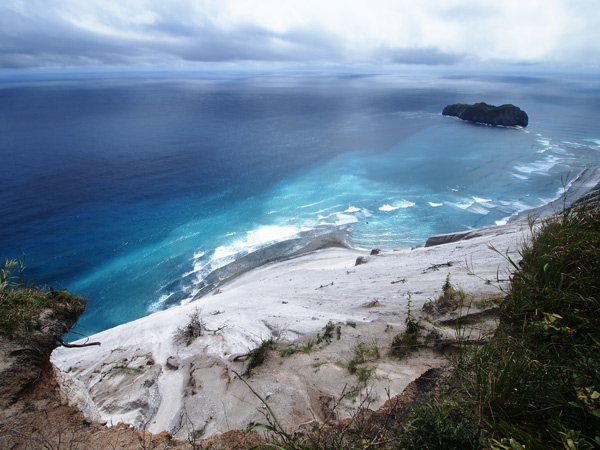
column 173, row 33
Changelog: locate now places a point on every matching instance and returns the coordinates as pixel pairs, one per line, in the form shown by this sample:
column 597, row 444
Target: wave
column 474, row 206
column 519, row 176
column 158, row 305
column 403, row 204
column 302, row 242
column 541, row 167
column 435, row 205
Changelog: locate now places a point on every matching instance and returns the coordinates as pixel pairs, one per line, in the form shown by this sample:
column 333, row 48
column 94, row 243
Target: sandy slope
column 129, row 379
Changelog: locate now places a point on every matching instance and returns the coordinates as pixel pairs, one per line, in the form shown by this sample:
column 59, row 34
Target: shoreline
column 337, row 236
column 587, row 182
column 144, row 373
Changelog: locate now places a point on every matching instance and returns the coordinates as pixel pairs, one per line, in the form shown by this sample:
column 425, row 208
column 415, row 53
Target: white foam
column 156, row 306
column 521, row 177
column 596, row 142
column 309, row 205
column 198, row 255
column 352, row 209
column 544, row 141
column 478, row 210
column 435, row 205
column 253, row 240
column 462, row 205
column 402, row 204
column 481, row 200
column 343, row 219
column 365, row 212
column 540, row 167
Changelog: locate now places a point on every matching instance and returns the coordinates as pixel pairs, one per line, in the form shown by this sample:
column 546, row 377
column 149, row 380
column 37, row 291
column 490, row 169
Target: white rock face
column 143, row 375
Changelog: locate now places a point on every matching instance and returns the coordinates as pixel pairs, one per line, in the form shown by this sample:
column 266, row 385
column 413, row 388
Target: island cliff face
column 505, row 115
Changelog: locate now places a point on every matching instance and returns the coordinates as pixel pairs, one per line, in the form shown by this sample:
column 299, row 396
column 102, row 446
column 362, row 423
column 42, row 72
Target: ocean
column 137, row 189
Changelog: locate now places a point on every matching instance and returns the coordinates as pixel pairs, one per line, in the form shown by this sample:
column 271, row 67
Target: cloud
column 427, row 56
column 63, row 33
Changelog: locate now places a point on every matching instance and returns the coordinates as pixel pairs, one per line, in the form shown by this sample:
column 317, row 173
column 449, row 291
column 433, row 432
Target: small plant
column 363, row 353
column 441, row 426
column 403, row 343
column 8, row 279
column 6, row 275
column 122, row 369
column 306, row 348
column 327, row 335
column 257, row 356
column 364, row 374
column 192, row 330
column 413, row 325
column 450, row 299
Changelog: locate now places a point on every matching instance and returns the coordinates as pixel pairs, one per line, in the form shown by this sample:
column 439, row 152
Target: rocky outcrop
column 505, row 115
column 26, row 356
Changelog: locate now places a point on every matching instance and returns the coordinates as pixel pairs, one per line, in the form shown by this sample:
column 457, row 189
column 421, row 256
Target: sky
column 180, row 33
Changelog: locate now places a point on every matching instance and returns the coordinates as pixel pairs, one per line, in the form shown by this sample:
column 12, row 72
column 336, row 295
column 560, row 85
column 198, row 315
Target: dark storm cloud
column 257, row 44
column 73, row 33
column 30, row 42
column 36, row 41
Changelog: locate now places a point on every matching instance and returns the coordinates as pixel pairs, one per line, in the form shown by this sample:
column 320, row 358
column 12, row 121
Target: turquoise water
column 132, row 189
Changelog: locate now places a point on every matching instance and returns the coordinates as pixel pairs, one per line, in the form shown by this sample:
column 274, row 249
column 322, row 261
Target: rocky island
column 504, row 115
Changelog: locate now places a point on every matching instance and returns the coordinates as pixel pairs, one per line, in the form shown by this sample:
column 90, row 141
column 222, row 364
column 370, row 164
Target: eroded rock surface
column 505, row 115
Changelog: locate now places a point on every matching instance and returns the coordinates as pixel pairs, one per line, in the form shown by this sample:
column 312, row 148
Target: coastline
column 587, row 182
column 143, row 375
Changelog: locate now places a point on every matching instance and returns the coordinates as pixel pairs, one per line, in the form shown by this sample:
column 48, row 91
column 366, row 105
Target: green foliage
column 6, row 274
column 327, row 335
column 405, row 342
column 538, row 381
column 364, row 374
column 363, row 353
column 306, row 348
column 413, row 325
column 21, row 306
column 191, row 330
column 443, row 427
column 257, row 356
column 450, row 299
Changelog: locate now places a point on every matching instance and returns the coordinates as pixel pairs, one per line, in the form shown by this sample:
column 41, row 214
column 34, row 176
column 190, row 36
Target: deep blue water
column 131, row 188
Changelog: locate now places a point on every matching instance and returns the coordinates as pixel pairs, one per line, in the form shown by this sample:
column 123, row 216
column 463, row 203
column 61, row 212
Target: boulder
column 505, row 115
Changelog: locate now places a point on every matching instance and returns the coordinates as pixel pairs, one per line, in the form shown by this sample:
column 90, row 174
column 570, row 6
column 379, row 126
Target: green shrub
column 21, row 307
column 541, row 372
column 441, row 426
column 257, row 356
column 405, row 342
column 327, row 335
